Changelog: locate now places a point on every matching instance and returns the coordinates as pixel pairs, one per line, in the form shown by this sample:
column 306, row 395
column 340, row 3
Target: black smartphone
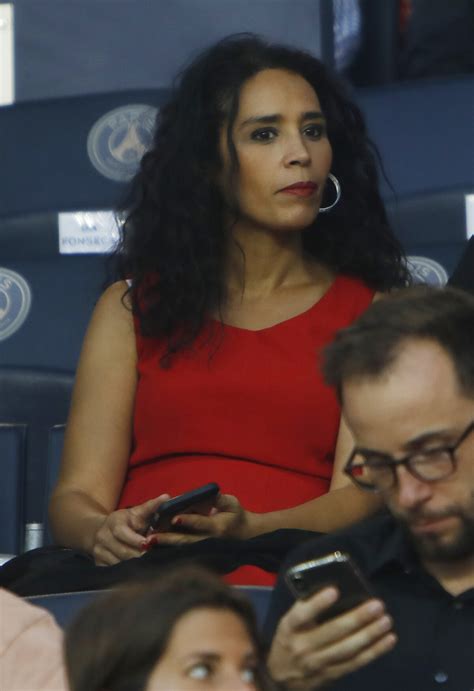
column 335, row 569
column 199, row 500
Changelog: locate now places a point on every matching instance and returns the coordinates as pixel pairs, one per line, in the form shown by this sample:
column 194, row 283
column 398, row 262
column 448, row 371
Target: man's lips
column 301, row 189
column 430, row 525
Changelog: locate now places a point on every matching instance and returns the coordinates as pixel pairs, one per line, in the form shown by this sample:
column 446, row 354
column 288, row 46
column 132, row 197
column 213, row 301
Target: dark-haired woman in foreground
column 189, row 631
column 255, row 231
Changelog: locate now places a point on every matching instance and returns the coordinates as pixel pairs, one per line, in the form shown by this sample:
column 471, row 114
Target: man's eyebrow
column 418, row 442
column 442, row 435
column 270, row 119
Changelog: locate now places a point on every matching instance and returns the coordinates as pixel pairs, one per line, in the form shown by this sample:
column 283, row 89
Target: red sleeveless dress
column 254, row 416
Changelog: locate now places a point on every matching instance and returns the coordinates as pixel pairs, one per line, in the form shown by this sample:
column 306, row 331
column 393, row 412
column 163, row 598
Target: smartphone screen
column 199, row 500
column 335, row 569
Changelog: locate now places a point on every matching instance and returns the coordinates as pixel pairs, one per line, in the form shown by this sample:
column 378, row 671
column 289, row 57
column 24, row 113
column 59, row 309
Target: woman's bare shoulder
column 114, row 306
column 111, row 324
column 115, row 295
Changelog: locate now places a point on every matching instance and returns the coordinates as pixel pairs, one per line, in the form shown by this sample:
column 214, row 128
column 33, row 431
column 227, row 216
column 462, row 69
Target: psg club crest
column 427, row 271
column 118, row 140
column 15, row 302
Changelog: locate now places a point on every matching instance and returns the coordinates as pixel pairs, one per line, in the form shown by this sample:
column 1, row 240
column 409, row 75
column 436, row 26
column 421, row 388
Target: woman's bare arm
column 98, row 438
column 343, row 505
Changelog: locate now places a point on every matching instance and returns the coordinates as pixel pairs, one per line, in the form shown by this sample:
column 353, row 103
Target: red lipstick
column 301, row 189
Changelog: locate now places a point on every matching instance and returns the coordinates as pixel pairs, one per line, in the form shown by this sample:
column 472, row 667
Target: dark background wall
column 65, row 47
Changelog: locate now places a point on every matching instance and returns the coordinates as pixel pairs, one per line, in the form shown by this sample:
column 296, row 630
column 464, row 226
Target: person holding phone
column 404, row 373
column 254, row 231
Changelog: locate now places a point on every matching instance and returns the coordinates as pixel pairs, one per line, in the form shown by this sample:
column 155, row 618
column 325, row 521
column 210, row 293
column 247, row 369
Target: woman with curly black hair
column 254, row 231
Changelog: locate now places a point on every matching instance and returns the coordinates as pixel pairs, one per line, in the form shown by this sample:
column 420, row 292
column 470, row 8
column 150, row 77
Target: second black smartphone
column 335, row 569
column 199, row 500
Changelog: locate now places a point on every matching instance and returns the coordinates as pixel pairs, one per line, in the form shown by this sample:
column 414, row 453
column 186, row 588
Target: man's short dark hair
column 371, row 344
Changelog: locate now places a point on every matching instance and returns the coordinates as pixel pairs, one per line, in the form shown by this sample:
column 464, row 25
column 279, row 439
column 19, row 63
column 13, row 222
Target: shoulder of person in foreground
column 31, row 647
column 362, row 541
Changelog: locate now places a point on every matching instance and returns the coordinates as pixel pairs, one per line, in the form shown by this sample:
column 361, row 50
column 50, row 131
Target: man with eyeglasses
column 404, row 373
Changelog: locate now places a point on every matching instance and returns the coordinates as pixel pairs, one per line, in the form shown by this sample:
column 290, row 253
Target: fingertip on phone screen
column 329, row 594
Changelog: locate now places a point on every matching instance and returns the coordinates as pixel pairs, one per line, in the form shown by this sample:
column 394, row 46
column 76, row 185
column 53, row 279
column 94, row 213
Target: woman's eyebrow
column 213, row 656
column 270, row 119
column 201, row 656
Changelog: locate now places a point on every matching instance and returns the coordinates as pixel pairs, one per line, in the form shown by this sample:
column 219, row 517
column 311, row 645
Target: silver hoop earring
column 337, row 186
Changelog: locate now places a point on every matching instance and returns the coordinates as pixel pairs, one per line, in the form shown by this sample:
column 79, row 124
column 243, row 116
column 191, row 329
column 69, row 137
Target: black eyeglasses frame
column 393, row 463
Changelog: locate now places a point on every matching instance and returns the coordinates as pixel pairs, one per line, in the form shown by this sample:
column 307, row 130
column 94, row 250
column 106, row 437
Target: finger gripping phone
column 199, row 500
column 335, row 569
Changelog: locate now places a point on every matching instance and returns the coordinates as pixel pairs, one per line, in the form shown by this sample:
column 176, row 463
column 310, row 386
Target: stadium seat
column 55, row 449
column 463, row 274
column 12, row 463
column 63, row 156
column 259, row 596
column 64, row 606
column 37, row 399
column 423, row 130
column 432, row 228
column 47, row 297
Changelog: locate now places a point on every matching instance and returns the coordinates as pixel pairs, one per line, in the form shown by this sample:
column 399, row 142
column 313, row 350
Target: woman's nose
column 297, row 152
column 234, row 681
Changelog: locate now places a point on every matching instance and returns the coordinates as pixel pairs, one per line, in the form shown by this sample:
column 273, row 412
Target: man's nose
column 410, row 491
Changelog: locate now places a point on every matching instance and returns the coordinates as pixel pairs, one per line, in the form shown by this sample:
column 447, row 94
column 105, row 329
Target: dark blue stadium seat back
column 432, row 225
column 44, row 149
column 12, row 464
column 259, row 596
column 61, row 155
column 463, row 274
column 64, row 606
column 40, row 399
column 55, row 449
column 63, row 290
column 424, row 132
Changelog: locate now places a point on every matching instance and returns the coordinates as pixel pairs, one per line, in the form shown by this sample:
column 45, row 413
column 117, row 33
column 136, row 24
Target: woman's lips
column 301, row 189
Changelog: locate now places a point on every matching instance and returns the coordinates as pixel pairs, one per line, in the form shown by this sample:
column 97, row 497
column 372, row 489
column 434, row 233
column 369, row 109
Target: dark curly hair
column 175, row 239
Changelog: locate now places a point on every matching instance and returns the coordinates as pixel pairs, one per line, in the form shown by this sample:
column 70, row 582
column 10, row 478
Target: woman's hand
column 122, row 533
column 226, row 519
column 305, row 655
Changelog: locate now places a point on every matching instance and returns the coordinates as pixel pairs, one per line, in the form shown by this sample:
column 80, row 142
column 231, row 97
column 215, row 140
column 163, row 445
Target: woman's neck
column 259, row 262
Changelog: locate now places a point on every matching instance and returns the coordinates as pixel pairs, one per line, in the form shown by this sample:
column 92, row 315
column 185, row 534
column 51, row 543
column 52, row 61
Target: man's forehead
column 416, row 394
column 415, row 361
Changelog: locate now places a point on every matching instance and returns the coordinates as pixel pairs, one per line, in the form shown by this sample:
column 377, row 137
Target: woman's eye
column 199, row 671
column 249, row 675
column 314, row 131
column 265, row 135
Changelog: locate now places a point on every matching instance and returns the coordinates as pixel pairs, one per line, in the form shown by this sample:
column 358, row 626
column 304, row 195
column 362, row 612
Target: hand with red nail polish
column 122, row 533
